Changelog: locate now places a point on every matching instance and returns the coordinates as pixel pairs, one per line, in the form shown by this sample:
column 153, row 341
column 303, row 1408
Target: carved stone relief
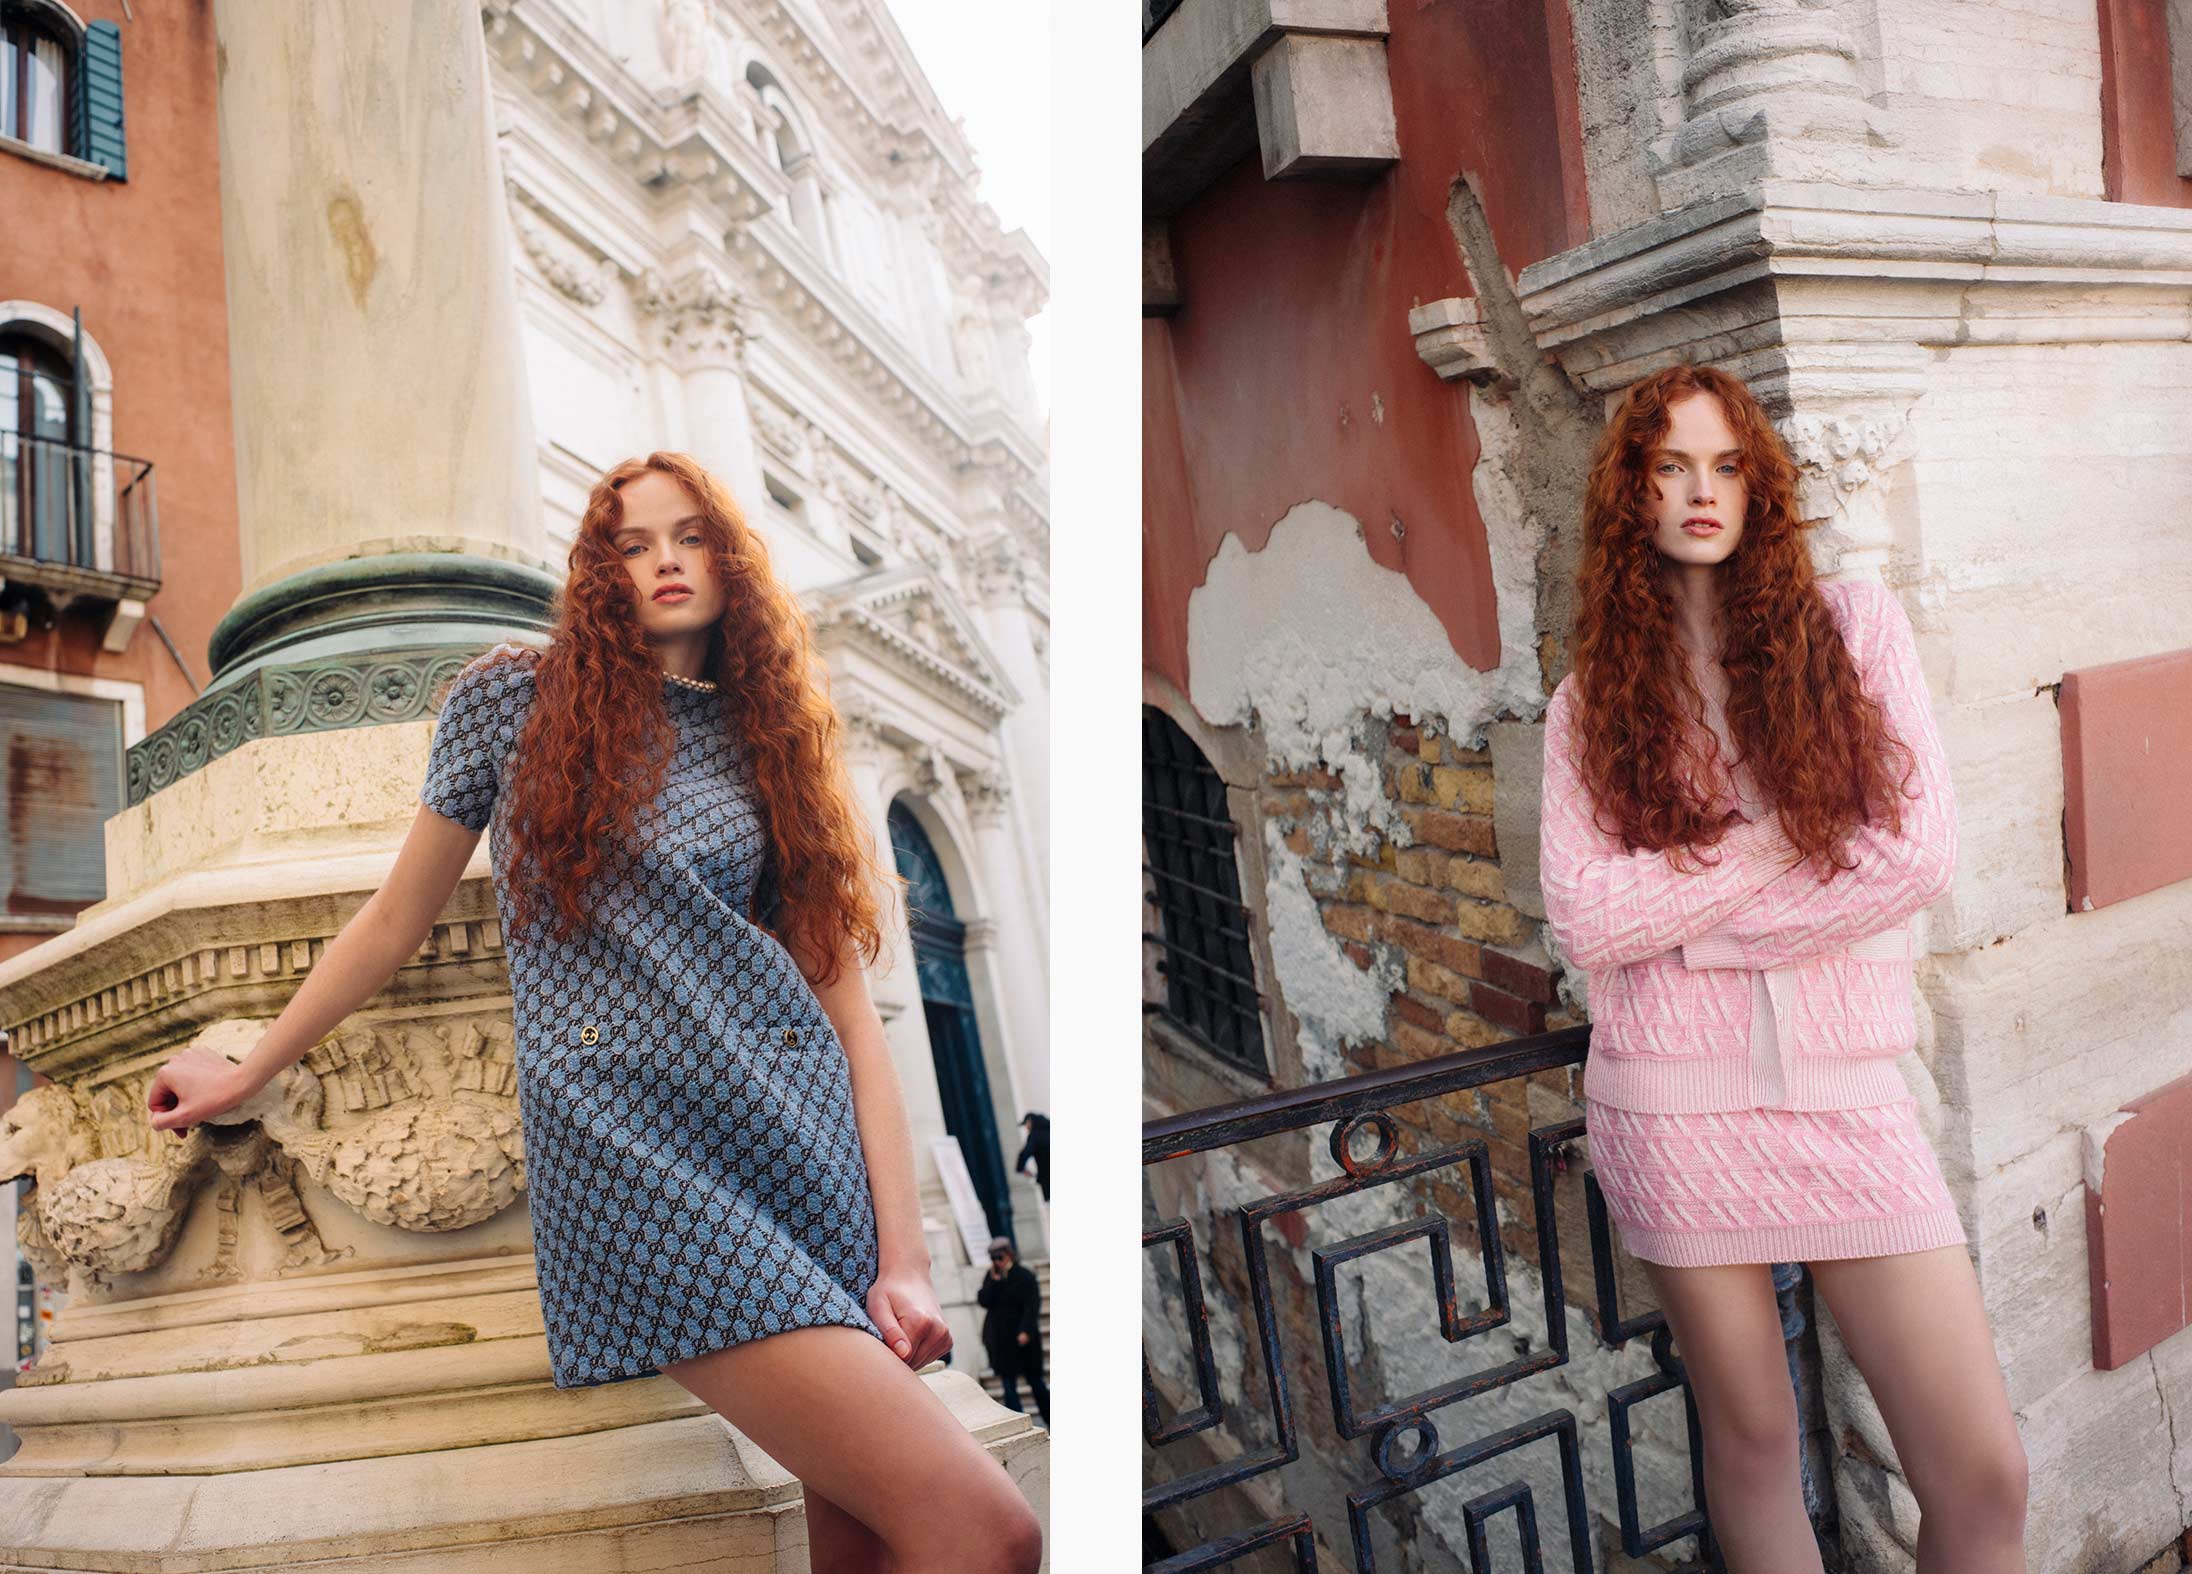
column 409, row 1125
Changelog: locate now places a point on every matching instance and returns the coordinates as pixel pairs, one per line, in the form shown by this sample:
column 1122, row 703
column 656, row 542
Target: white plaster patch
column 2096, row 1135
column 1308, row 635
column 1331, row 998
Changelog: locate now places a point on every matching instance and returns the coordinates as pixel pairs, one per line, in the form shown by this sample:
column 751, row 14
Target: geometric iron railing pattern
column 1405, row 1442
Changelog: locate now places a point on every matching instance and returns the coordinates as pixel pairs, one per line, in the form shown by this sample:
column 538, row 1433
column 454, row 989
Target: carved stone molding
column 570, row 270
column 319, row 696
column 910, row 622
column 701, row 317
column 987, row 793
column 412, row 1127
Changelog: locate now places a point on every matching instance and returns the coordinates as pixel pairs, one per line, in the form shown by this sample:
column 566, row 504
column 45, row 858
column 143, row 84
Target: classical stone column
column 1012, row 903
column 1002, row 582
column 387, row 485
column 705, row 324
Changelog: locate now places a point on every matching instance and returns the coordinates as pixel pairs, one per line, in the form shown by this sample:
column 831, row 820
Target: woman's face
column 661, row 544
column 1698, row 508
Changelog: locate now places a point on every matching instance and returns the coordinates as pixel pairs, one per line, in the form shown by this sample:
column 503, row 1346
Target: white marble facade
column 747, row 229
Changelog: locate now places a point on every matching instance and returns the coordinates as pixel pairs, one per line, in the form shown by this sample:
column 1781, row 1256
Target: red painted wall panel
column 1289, row 373
column 2138, row 130
column 2127, row 759
column 2139, row 1228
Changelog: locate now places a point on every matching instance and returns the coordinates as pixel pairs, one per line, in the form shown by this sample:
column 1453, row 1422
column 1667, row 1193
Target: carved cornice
column 908, row 619
column 318, row 696
column 198, row 964
column 696, row 142
column 1886, row 271
column 576, row 273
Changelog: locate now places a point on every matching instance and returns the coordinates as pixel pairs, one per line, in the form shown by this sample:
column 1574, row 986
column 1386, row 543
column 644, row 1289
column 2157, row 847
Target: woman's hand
column 194, row 1086
column 903, row 1304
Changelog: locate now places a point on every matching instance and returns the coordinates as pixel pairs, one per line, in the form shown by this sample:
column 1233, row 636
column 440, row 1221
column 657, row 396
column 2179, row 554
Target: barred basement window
column 1195, row 888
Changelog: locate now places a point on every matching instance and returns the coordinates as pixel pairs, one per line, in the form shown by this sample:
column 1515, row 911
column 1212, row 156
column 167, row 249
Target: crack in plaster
column 2169, row 1419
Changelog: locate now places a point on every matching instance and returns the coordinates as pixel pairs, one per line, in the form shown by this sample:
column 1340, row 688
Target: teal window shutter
column 99, row 99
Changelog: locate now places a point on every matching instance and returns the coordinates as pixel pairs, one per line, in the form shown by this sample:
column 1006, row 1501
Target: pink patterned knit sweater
column 1675, row 959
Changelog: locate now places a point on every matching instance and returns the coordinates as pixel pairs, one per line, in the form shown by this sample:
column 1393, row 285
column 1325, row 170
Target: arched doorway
column 947, row 1001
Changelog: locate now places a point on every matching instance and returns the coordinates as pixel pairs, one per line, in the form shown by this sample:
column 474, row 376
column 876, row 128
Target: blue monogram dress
column 694, row 1169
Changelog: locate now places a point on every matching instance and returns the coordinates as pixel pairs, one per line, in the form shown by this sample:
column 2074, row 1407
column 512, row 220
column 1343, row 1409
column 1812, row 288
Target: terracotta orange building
column 117, row 487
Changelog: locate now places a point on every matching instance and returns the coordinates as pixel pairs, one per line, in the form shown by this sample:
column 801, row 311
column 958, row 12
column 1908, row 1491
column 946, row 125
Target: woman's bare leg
column 1916, row 1325
column 1727, row 1330
column 834, row 1407
column 837, row 1540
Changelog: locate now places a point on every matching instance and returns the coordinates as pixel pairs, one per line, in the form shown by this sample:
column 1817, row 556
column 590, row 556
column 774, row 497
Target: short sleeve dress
column 694, row 1169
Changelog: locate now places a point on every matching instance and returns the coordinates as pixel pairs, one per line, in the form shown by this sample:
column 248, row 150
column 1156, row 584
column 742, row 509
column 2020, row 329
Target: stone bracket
column 1303, row 79
column 1451, row 339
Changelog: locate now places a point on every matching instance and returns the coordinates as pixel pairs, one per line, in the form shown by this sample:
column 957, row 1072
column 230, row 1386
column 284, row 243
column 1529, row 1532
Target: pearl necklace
column 691, row 683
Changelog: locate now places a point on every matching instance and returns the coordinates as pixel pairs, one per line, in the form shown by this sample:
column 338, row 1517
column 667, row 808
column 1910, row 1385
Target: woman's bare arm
column 902, row 1300
column 198, row 1084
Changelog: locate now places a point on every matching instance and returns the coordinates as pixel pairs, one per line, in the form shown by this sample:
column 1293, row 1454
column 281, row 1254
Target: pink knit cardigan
column 1671, row 955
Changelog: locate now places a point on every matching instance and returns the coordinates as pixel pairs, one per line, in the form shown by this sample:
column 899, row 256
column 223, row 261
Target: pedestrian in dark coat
column 1012, row 1327
column 1037, row 1147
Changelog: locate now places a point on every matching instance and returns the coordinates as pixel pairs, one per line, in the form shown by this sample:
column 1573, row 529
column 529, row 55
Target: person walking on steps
column 1036, row 1148
column 1012, row 1326
column 718, row 1156
column 1745, row 802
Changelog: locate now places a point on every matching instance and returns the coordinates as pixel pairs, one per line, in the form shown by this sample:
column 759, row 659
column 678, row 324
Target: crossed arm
column 1758, row 908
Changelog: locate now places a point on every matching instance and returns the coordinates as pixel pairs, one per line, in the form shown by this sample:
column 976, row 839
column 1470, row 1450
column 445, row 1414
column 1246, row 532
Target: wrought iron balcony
column 1262, row 1422
column 81, row 523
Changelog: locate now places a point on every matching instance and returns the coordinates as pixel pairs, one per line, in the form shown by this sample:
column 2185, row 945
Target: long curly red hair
column 1815, row 742
column 597, row 745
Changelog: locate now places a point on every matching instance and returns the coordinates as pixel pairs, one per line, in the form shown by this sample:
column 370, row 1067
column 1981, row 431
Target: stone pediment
column 911, row 622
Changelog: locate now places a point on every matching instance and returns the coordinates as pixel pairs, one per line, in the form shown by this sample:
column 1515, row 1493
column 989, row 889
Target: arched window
column 785, row 141
column 1201, row 929
column 39, row 448
column 61, row 88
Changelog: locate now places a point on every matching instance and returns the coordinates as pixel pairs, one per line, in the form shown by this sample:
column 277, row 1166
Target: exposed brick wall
column 1430, row 902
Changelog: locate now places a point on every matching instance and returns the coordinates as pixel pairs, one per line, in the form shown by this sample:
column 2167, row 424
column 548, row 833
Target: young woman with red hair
column 718, row 1158
column 1745, row 801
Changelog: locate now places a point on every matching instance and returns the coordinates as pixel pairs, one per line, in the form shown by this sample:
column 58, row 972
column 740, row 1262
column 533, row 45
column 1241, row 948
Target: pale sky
column 990, row 66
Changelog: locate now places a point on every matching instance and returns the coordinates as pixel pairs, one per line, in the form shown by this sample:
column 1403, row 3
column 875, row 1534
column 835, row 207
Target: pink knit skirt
column 1770, row 1185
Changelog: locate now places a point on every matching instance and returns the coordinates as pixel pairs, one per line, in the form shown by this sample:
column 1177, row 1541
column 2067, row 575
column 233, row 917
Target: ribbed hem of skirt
column 1817, row 1242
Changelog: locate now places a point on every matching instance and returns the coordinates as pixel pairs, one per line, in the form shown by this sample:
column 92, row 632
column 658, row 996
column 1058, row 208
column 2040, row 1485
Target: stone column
column 705, row 324
column 1002, row 581
column 387, row 485
column 1013, row 899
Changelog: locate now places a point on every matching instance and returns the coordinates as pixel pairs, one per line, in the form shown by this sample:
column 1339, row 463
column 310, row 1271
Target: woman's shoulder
column 502, row 671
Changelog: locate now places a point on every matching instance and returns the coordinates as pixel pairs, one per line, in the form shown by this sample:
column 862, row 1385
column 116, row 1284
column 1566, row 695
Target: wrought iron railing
column 71, row 508
column 1404, row 1438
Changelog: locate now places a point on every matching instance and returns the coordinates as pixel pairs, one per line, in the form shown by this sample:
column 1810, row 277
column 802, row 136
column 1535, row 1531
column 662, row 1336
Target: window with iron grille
column 1201, row 930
